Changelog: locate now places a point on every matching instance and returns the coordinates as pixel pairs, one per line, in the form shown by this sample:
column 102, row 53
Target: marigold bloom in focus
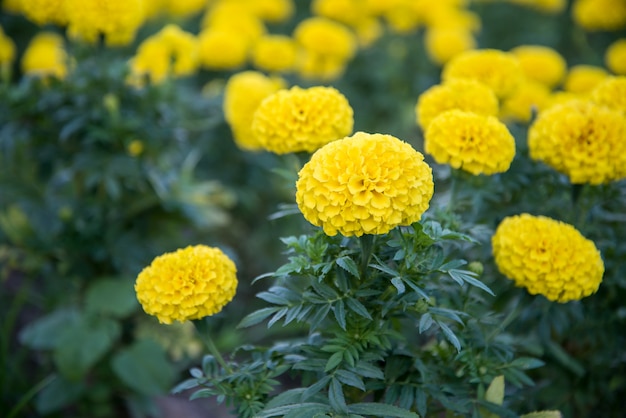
column 243, row 93
column 187, row 284
column 443, row 44
column 468, row 95
column 299, row 119
column 364, row 184
column 541, row 64
column 471, row 142
column 45, row 56
column 611, row 93
column 42, row 12
column 547, row 257
column 497, row 69
column 530, row 97
column 581, row 79
column 600, row 15
column 582, row 140
column 615, row 57
column 275, row 53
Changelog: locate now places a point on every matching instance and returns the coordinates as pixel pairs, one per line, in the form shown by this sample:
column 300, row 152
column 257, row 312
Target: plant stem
column 202, row 326
column 367, row 246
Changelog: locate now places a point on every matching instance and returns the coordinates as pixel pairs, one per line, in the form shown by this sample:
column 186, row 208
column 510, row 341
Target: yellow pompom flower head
column 299, row 119
column 547, row 257
column 471, row 142
column 615, row 57
column 187, row 284
column 541, row 64
column 364, row 184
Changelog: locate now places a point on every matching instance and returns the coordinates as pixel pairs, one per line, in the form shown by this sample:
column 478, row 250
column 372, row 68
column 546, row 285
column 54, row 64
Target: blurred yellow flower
column 117, row 20
column 528, row 99
column 12, row 6
column 471, row 142
column 547, row 257
column 7, row 49
column 541, row 63
column 348, row 12
column 275, row 53
column 364, row 184
column 615, row 57
column 189, row 283
column 222, row 49
column 243, row 93
column 325, row 37
column 611, row 93
column 135, row 148
column 237, row 18
column 582, row 140
column 299, row 119
column 497, row 69
column 171, row 52
column 600, row 15
column 182, row 8
column 461, row 94
column 404, row 16
column 45, row 56
column 42, row 12
column 274, row 11
column 443, row 44
column 581, row 79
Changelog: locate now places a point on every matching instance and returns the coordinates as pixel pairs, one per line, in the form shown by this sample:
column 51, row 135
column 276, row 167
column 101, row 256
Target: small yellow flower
column 243, row 93
column 547, row 257
column 443, row 44
column 611, row 93
column 299, row 119
column 600, row 15
column 497, row 69
column 7, row 49
column 348, row 12
column 187, row 284
column 461, row 94
column 581, row 79
column 529, row 98
column 364, row 184
column 182, row 8
column 325, row 37
column 236, row 18
column 45, row 56
column 135, row 148
column 274, row 11
column 275, row 53
column 615, row 57
column 541, row 64
column 582, row 140
column 223, row 49
column 471, row 142
column 42, row 12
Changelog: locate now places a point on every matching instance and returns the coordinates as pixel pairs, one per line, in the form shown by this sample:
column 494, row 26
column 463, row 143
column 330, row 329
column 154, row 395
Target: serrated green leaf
column 380, row 410
column 450, row 336
column 257, row 316
column 397, row 283
column 349, row 265
column 333, row 361
column 350, row 379
column 339, row 310
column 315, row 388
column 367, row 370
column 286, row 409
column 426, row 321
column 336, row 397
column 358, row 308
column 461, row 276
column 115, row 297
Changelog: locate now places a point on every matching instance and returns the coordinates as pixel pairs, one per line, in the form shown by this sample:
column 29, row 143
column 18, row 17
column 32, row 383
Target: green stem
column 367, row 246
column 29, row 395
column 202, row 325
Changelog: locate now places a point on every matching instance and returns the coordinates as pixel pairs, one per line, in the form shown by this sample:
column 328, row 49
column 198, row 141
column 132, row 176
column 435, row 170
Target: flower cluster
column 474, row 143
column 547, row 257
column 187, row 284
column 583, row 140
column 299, row 119
column 243, row 93
column 364, row 184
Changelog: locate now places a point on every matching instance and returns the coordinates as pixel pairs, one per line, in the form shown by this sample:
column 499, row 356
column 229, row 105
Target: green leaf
column 336, row 397
column 495, row 391
column 450, row 336
column 45, row 332
column 333, row 361
column 543, row 414
column 350, row 379
column 82, row 344
column 397, row 283
column 286, row 409
column 257, row 316
column 380, row 410
column 315, row 387
column 358, row 308
column 467, row 276
column 349, row 265
column 426, row 321
column 115, row 297
column 565, row 359
column 527, row 363
column 145, row 368
column 339, row 310
column 58, row 394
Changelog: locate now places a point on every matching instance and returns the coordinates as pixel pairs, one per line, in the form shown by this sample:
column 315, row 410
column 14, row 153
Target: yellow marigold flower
column 7, row 49
column 447, row 17
column 299, row 119
column 118, row 20
column 274, row 11
column 615, row 57
column 560, row 97
column 325, row 37
column 45, row 56
column 313, row 66
column 222, row 49
column 468, row 95
column 12, row 6
column 243, row 93
column 582, row 140
column 187, row 284
column 235, row 17
column 348, row 12
column 44, row 11
column 546, row 6
column 368, row 30
column 444, row 44
column 541, row 64
column 183, row 8
column 364, row 184
column 611, row 93
column 581, row 79
column 547, row 257
column 403, row 17
column 471, row 142
column 498, row 69
column 171, row 52
column 529, row 98
column 600, row 15
column 275, row 53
